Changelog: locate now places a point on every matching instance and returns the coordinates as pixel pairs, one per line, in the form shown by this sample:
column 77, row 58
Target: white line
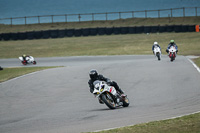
column 148, row 122
column 194, row 65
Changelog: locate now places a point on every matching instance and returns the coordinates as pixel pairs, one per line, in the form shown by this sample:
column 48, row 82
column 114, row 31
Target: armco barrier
column 170, row 28
column 109, row 31
column 131, row 30
column 93, row 31
column 69, row 32
column 6, row 36
column 38, row 34
column 77, row 32
column 46, row 34
column 162, row 29
column 116, row 30
column 22, row 35
column 124, row 30
column 30, row 35
column 191, row 28
column 14, row 36
column 139, row 29
column 86, row 32
column 96, row 31
column 54, row 33
column 154, row 29
column 61, row 33
column 101, row 31
column 147, row 29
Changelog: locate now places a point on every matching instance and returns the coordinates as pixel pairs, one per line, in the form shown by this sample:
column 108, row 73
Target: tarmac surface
column 58, row 100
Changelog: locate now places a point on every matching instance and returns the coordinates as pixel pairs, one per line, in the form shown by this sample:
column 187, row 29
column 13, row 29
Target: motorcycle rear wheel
column 108, row 100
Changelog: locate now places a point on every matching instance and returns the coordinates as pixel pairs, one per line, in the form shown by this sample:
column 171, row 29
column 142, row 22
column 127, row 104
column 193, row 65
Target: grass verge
column 130, row 44
column 185, row 124
column 197, row 61
column 9, row 73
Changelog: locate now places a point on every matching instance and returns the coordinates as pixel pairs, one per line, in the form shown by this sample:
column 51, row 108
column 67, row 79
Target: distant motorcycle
column 157, row 52
column 108, row 95
column 172, row 53
column 28, row 60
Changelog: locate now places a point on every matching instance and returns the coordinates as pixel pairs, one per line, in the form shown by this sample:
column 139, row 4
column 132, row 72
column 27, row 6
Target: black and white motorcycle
column 108, row 95
column 27, row 60
column 157, row 52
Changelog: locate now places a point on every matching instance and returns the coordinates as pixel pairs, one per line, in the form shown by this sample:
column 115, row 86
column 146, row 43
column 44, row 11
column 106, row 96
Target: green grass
column 9, row 73
column 197, row 61
column 130, row 44
column 185, row 124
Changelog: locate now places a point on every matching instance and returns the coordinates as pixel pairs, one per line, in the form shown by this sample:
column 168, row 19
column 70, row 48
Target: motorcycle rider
column 155, row 44
column 25, row 57
column 172, row 43
column 95, row 76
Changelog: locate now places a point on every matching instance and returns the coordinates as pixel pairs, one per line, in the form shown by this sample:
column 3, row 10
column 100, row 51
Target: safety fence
column 96, row 31
column 172, row 12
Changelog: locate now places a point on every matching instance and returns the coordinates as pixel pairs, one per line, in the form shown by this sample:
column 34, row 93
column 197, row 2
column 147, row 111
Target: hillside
column 94, row 24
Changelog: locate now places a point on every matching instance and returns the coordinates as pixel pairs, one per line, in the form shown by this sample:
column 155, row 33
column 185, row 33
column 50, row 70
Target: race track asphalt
column 58, row 100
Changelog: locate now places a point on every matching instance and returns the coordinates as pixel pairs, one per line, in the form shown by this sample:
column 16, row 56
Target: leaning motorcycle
column 28, row 60
column 108, row 95
column 172, row 53
column 157, row 52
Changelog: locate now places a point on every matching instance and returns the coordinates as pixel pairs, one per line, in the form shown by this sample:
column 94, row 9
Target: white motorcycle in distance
column 108, row 95
column 157, row 52
column 28, row 60
column 172, row 53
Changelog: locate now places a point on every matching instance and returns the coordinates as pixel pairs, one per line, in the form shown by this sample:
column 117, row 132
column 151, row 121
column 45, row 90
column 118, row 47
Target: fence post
column 132, row 14
column 11, row 21
column 52, row 18
column 106, row 16
column 79, row 18
column 25, row 20
column 158, row 13
column 196, row 11
column 119, row 15
column 171, row 13
column 145, row 13
column 65, row 17
column 92, row 16
column 38, row 19
column 183, row 11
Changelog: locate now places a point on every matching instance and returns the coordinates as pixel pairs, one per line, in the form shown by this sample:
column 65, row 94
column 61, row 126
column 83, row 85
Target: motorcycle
column 172, row 53
column 157, row 52
column 28, row 60
column 108, row 95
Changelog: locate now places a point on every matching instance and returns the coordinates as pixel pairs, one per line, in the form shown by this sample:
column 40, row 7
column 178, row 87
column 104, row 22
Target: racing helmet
column 172, row 41
column 23, row 55
column 93, row 74
column 155, row 43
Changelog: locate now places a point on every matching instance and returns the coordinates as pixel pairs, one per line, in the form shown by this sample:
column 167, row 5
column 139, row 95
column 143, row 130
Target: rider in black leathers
column 95, row 76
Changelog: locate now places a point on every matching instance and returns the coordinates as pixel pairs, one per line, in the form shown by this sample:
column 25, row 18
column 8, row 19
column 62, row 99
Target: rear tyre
column 108, row 100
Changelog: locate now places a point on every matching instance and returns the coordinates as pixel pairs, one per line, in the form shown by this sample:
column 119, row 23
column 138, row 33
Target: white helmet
column 155, row 43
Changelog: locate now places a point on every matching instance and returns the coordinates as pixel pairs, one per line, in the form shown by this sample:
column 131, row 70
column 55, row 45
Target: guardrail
column 96, row 31
column 172, row 12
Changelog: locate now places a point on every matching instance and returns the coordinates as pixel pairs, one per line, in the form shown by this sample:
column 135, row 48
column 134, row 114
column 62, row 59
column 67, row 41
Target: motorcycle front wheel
column 108, row 100
column 125, row 102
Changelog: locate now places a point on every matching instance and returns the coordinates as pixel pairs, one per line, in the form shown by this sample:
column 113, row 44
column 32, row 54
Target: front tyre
column 108, row 100
column 34, row 62
column 125, row 102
